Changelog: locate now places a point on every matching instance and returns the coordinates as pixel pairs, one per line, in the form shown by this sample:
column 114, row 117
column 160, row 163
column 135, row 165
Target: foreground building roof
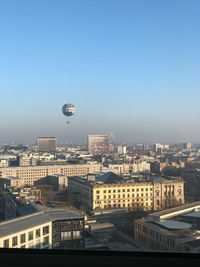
column 38, row 218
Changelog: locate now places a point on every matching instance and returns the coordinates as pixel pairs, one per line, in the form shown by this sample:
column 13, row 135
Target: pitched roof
column 108, row 177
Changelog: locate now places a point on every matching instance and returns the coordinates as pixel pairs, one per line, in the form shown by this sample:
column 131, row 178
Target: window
column 37, row 233
column 22, row 238
column 45, row 230
column 14, row 241
column 6, row 243
column 30, row 235
column 46, row 240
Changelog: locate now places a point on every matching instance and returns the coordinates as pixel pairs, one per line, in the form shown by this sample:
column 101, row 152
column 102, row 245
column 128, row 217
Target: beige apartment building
column 173, row 230
column 28, row 175
column 111, row 191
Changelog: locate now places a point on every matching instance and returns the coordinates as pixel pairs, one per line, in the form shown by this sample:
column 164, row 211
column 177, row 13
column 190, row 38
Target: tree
column 47, row 192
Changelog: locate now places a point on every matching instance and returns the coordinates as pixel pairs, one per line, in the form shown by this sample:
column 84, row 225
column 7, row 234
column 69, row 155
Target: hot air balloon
column 68, row 110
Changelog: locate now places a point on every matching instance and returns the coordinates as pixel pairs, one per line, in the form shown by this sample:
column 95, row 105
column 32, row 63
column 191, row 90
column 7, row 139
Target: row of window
column 23, row 238
column 136, row 201
column 127, row 206
column 156, row 236
column 125, row 196
column 125, row 190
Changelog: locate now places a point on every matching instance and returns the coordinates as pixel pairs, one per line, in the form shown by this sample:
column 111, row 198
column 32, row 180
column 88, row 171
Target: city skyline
column 131, row 68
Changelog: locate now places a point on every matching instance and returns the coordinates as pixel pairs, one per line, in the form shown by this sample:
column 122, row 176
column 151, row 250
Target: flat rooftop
column 173, row 212
column 174, row 225
column 194, row 214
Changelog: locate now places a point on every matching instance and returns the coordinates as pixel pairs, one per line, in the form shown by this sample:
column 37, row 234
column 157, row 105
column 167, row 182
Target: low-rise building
column 46, row 229
column 26, row 195
column 112, row 191
column 59, row 182
column 192, row 184
column 172, row 230
column 125, row 168
column 12, row 181
column 29, row 174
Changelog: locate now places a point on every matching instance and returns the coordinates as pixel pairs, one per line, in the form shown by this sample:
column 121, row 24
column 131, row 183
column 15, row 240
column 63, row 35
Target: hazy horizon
column 131, row 68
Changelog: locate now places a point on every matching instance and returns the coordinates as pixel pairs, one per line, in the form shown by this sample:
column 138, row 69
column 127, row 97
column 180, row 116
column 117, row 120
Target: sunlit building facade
column 45, row 230
column 27, row 175
column 111, row 191
column 172, row 230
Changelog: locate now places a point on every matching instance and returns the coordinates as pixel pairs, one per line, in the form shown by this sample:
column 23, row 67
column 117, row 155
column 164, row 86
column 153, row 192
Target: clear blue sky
column 132, row 69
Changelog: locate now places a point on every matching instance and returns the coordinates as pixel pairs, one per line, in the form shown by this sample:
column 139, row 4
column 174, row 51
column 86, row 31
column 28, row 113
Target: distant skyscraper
column 46, row 144
column 186, row 146
column 98, row 144
column 157, row 148
column 121, row 150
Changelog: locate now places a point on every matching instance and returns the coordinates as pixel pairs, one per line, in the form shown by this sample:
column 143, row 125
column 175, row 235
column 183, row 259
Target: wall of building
column 144, row 195
column 33, row 173
column 168, row 193
column 130, row 168
column 154, row 238
column 32, row 239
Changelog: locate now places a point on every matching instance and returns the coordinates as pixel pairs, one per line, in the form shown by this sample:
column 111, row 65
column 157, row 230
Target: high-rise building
column 98, row 144
column 158, row 148
column 121, row 150
column 46, row 144
column 186, row 146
